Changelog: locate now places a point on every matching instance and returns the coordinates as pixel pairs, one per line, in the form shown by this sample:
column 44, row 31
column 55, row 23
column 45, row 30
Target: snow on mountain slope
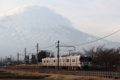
column 26, row 26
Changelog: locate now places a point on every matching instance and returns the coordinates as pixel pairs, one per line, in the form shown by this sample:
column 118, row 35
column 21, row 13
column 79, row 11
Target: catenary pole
column 25, row 55
column 18, row 58
column 37, row 55
column 58, row 54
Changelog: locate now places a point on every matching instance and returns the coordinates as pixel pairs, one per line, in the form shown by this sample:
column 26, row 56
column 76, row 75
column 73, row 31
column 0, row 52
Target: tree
column 33, row 59
column 104, row 57
column 27, row 59
column 109, row 58
column 44, row 54
column 52, row 55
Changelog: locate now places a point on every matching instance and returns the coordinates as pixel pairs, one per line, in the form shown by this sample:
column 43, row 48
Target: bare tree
column 104, row 57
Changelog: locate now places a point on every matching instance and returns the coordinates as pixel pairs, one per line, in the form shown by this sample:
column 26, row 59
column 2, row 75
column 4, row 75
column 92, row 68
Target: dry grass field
column 47, row 76
column 56, row 76
column 20, row 75
column 22, row 66
column 72, row 77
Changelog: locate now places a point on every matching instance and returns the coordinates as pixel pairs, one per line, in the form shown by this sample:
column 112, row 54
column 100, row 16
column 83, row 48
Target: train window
column 90, row 59
column 67, row 60
column 81, row 58
column 73, row 60
column 59, row 60
column 64, row 60
column 85, row 59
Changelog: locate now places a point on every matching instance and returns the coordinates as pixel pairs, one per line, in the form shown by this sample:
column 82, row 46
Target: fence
column 97, row 73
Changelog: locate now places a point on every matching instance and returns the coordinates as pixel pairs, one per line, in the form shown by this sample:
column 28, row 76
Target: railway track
column 105, row 74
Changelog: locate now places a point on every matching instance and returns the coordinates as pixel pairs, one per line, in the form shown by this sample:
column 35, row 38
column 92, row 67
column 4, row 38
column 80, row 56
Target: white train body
column 69, row 62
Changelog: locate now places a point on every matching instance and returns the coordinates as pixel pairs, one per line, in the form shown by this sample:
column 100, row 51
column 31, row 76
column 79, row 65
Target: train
column 68, row 62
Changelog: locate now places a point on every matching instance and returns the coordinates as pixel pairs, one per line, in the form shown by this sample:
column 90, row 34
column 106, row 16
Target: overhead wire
column 49, row 46
column 77, row 44
column 97, row 39
column 31, row 53
column 14, row 56
column 22, row 54
column 47, row 49
column 63, row 43
column 31, row 50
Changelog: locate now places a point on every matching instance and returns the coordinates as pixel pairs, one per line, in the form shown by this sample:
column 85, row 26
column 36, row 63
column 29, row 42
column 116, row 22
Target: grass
column 54, row 76
column 22, row 66
column 22, row 75
column 48, row 76
column 72, row 77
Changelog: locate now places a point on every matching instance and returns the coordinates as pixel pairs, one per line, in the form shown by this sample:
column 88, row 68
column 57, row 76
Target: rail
column 105, row 74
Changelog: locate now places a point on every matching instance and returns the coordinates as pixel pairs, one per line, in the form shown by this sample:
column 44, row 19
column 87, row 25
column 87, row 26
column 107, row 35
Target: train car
column 69, row 62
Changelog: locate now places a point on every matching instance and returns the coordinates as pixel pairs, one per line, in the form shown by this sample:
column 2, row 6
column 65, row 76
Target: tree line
column 40, row 55
column 104, row 58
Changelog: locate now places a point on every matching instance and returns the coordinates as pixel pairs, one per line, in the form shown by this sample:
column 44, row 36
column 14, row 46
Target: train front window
column 90, row 59
column 86, row 58
column 83, row 59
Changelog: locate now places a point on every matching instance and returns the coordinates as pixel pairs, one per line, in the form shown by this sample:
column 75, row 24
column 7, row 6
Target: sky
column 96, row 17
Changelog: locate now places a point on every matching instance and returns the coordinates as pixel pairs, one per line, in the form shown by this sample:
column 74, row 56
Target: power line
column 31, row 49
column 52, row 49
column 63, row 43
column 97, row 39
column 21, row 54
column 49, row 46
column 31, row 53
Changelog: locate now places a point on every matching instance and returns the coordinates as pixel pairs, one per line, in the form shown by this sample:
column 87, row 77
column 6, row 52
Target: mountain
column 29, row 25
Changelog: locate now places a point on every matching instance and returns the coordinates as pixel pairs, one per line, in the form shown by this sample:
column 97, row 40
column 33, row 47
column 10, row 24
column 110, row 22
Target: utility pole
column 25, row 55
column 70, row 51
column 10, row 59
column 37, row 55
column 1, row 62
column 58, row 54
column 62, row 46
column 18, row 58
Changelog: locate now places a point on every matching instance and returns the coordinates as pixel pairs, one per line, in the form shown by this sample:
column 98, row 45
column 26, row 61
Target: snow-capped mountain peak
column 29, row 25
